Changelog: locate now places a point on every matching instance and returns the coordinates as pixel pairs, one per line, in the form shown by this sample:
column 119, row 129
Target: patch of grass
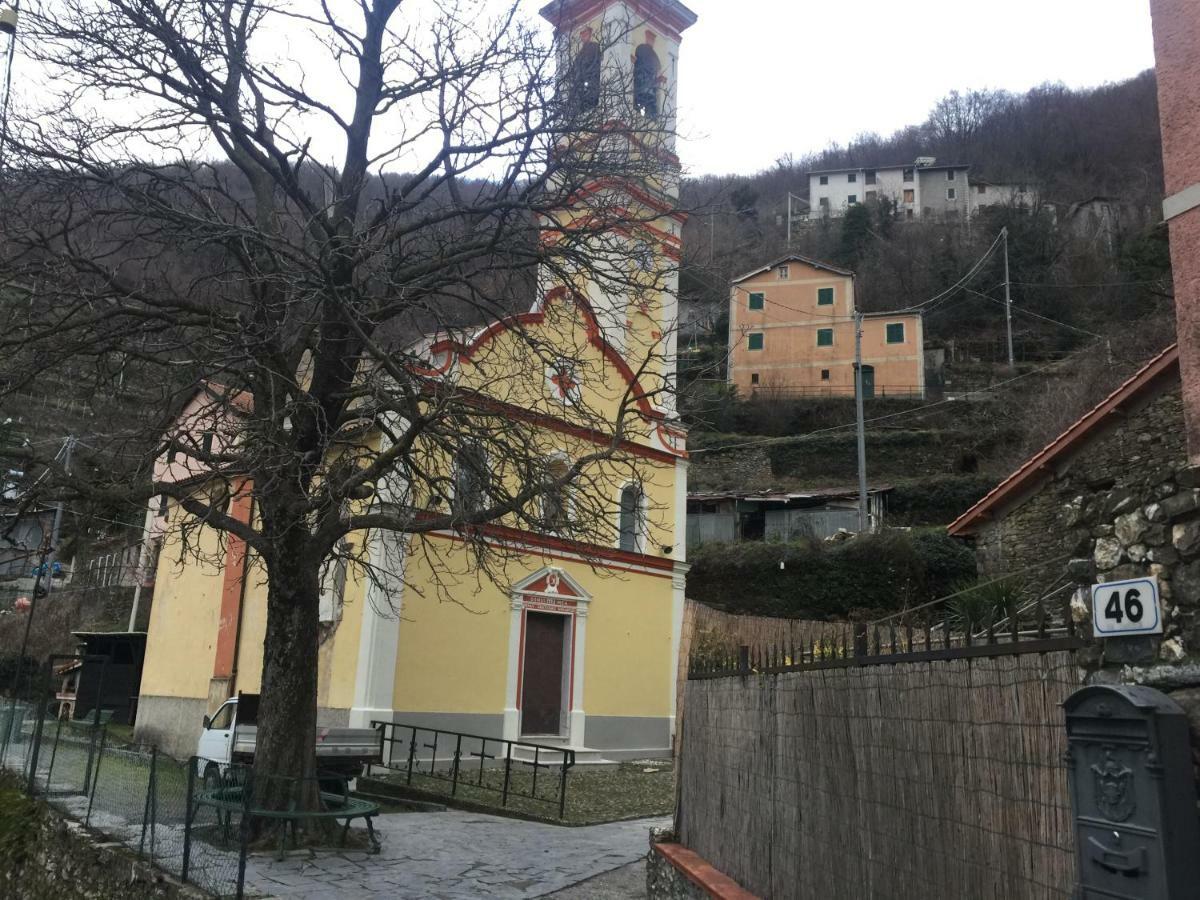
column 17, row 814
column 120, row 735
column 632, row 790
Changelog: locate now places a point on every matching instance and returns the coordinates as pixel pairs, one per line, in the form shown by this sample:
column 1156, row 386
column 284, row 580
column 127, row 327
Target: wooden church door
column 542, row 683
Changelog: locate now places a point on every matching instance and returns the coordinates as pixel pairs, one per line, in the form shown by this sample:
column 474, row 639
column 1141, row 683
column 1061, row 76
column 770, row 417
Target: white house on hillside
column 918, row 189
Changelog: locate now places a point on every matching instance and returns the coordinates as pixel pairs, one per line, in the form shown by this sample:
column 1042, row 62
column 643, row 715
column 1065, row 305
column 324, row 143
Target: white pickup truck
column 230, row 733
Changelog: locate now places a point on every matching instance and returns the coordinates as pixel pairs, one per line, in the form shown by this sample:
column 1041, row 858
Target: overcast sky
column 761, row 78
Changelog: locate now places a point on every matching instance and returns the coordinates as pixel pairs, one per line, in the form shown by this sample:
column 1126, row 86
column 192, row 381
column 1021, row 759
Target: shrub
column 860, row 577
column 18, row 818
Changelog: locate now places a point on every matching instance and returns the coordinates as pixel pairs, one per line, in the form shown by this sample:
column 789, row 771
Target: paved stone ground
column 626, row 883
column 455, row 855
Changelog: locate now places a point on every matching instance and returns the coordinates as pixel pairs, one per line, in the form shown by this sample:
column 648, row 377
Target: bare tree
column 295, row 212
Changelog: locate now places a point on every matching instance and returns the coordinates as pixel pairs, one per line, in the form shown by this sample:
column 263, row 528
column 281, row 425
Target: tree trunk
column 287, row 721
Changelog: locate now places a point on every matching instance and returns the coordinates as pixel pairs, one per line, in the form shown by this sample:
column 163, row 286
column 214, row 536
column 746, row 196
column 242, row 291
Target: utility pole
column 8, row 26
column 863, row 519
column 56, row 528
column 1012, row 364
column 789, row 232
column 790, row 217
column 142, row 563
column 41, row 569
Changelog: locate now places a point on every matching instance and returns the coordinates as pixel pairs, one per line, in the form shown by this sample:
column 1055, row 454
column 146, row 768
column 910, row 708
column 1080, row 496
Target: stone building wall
column 1127, row 504
column 1073, row 516
column 1177, row 71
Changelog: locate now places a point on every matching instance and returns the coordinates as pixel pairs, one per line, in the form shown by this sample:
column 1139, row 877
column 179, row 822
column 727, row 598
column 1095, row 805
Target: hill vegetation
column 1072, row 146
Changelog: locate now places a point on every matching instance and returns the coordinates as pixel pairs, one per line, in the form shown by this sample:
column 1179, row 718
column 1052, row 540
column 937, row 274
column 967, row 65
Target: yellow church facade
column 565, row 639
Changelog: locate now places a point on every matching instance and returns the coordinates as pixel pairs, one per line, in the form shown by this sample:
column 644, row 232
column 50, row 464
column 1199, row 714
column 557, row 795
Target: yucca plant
column 978, row 606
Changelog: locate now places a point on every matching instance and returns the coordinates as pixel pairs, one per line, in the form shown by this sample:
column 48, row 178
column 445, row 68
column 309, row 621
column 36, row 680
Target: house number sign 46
column 1121, row 608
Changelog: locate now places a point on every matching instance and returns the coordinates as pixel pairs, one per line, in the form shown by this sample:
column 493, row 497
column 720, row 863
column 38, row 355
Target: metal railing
column 923, row 635
column 491, row 765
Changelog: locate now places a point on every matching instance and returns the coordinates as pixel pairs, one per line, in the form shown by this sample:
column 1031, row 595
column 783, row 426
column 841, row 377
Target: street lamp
column 8, row 19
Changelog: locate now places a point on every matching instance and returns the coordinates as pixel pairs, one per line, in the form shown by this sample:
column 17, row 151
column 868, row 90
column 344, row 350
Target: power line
column 962, row 281
column 1054, row 284
column 790, row 438
column 1030, row 312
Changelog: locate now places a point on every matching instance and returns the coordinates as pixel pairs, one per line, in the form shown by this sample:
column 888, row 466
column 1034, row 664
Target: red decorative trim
column 594, row 337
column 564, row 592
column 570, row 699
column 561, row 426
column 571, row 679
column 701, row 873
column 232, row 584
column 563, row 605
column 555, row 547
column 665, row 238
column 644, row 197
column 1031, row 470
column 521, row 668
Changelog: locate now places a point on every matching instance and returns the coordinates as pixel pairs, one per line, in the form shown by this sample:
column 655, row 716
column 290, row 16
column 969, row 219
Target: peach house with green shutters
column 791, row 333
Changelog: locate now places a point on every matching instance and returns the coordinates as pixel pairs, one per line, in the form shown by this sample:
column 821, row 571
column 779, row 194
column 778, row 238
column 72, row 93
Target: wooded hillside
column 1072, row 146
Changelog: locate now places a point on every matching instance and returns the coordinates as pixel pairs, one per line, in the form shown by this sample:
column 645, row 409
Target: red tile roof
column 1033, row 468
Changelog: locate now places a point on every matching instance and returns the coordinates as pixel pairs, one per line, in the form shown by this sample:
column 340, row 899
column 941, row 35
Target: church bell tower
column 618, row 61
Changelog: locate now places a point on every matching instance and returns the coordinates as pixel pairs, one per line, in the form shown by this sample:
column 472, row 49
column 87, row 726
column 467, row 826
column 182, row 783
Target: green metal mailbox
column 1129, row 767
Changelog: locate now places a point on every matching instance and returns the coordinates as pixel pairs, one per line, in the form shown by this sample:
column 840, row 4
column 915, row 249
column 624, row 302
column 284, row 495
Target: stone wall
column 1125, row 505
column 44, row 856
column 665, row 882
column 1091, row 515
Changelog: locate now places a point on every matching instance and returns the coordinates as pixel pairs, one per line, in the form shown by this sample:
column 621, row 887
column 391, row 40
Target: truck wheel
column 212, row 777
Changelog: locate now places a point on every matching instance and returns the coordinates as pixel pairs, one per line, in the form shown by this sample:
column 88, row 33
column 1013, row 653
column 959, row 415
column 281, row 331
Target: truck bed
column 332, row 743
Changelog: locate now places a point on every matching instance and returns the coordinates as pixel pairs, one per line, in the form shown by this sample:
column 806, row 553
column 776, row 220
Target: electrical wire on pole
column 863, row 518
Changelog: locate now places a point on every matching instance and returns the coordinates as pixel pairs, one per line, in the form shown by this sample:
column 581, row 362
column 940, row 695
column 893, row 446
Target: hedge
column 860, row 577
column 936, row 500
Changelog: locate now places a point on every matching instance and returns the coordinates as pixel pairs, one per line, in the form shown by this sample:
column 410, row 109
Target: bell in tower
column 618, row 61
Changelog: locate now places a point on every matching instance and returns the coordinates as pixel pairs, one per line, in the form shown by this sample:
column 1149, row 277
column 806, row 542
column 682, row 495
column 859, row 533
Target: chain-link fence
column 132, row 794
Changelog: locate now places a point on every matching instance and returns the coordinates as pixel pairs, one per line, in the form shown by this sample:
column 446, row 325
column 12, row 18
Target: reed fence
column 886, row 776
column 710, row 634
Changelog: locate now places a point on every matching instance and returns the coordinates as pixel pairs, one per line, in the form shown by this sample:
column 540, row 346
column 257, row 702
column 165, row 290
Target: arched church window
column 470, row 480
column 645, row 81
column 585, row 77
column 556, row 497
column 631, row 524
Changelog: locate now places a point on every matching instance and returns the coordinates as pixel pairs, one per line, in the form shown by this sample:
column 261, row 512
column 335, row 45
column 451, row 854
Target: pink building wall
column 1177, row 63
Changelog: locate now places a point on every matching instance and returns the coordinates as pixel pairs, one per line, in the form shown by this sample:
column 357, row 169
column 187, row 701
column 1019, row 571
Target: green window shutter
column 755, row 341
column 824, row 337
column 756, row 301
column 825, row 297
column 895, row 333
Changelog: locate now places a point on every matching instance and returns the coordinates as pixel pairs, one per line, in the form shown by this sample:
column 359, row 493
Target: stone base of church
column 172, row 724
